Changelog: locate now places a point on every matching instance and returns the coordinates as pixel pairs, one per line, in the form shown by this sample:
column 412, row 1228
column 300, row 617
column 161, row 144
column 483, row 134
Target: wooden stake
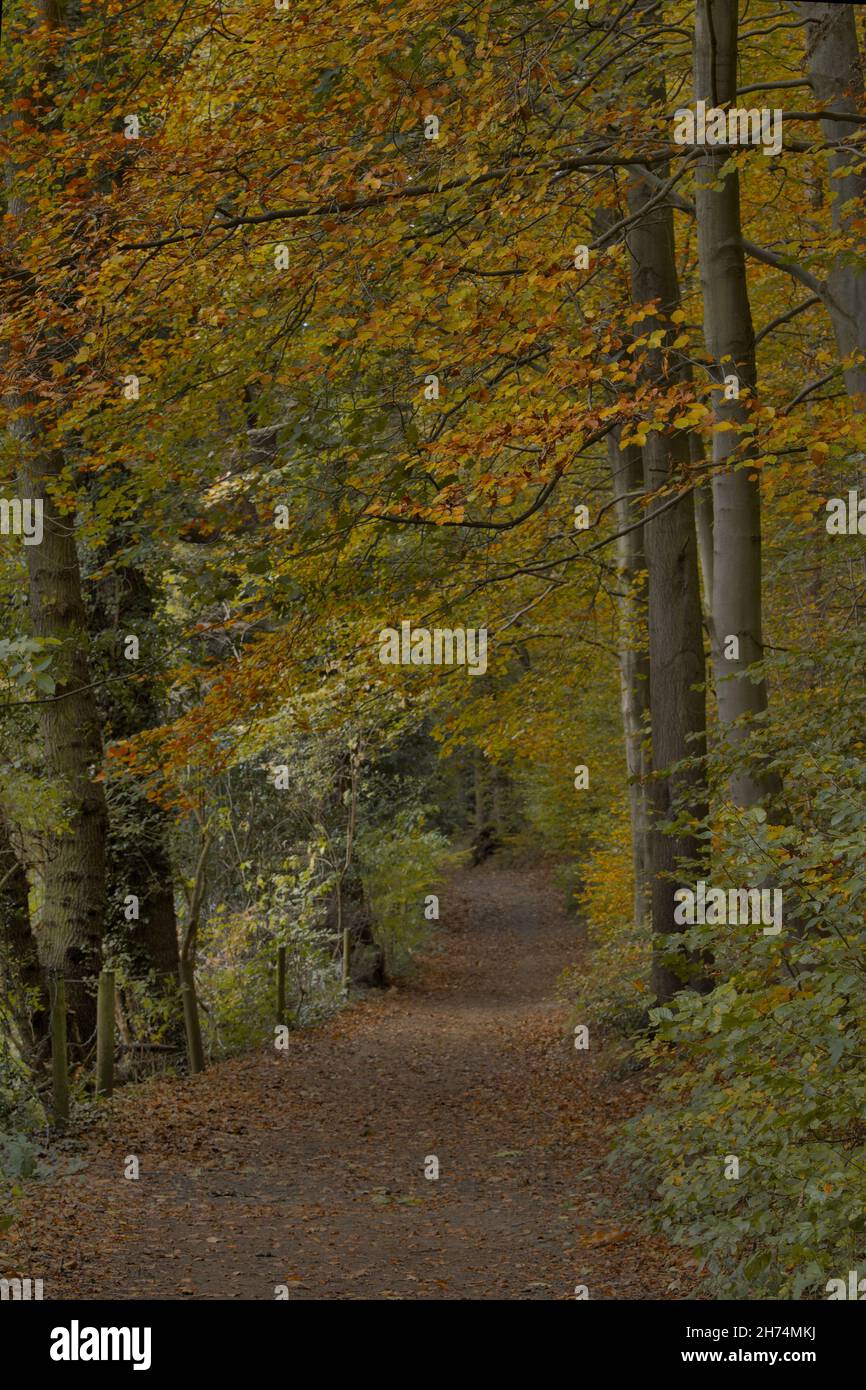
column 105, row 1034
column 59, row 1059
column 281, row 984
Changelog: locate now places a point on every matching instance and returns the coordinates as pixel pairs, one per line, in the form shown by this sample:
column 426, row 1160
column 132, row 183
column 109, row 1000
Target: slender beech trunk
column 676, row 653
column 626, row 466
column 834, row 69
column 704, row 525
column 730, row 341
column 186, row 967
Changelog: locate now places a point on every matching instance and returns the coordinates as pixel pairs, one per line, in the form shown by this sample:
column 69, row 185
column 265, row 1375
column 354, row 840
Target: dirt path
column 307, row 1169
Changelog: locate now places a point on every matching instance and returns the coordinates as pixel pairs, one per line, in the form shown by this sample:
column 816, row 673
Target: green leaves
column 26, row 663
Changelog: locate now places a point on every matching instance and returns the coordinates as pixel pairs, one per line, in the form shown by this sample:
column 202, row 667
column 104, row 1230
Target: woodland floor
column 307, row 1168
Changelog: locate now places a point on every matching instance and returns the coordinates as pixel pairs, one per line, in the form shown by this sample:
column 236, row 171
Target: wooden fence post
column 281, row 984
column 59, row 1059
column 105, row 1034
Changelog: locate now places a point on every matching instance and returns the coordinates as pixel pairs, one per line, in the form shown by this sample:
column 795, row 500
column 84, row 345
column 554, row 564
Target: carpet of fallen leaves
column 307, row 1168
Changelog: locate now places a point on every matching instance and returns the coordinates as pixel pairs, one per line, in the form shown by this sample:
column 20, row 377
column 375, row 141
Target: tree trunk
column 834, row 69
column 71, row 915
column 730, row 341
column 704, row 525
column 676, row 654
column 634, row 668
column 195, row 1048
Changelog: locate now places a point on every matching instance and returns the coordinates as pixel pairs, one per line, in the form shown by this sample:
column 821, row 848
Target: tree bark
column 704, row 525
column 676, row 655
column 70, row 917
column 730, row 341
column 195, row 1047
column 834, row 69
column 634, row 666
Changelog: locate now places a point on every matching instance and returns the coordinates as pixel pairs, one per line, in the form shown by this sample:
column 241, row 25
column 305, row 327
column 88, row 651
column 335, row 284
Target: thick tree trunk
column 634, row 668
column 71, row 914
column 730, row 340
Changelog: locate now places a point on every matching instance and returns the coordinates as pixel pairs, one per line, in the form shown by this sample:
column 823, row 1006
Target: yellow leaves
column 695, row 414
column 638, row 435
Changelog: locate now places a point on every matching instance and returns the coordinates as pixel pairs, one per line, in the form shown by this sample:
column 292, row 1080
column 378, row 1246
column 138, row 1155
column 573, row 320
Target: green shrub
column 237, row 974
column 769, row 1066
column 400, row 867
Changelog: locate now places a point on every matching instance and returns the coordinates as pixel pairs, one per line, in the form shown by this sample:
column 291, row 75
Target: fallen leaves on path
column 306, row 1169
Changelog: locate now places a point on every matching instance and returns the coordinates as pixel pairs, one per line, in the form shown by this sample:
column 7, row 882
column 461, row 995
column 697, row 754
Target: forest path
column 307, row 1168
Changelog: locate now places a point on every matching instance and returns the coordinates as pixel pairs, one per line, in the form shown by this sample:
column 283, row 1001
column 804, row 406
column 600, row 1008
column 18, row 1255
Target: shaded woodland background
column 290, row 362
